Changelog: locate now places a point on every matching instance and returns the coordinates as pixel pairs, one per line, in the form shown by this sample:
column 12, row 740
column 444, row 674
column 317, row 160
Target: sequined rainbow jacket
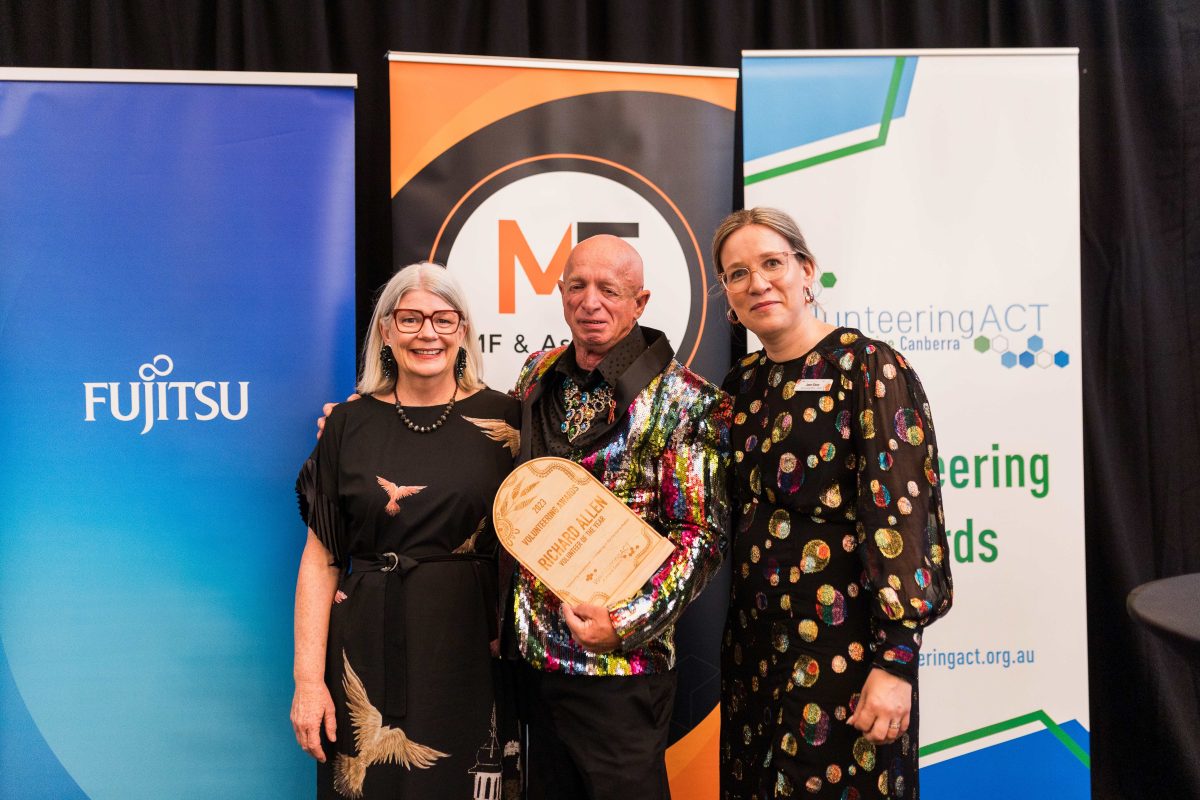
column 665, row 458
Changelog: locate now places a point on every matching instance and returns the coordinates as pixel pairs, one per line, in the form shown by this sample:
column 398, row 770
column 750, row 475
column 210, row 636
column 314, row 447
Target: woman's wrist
column 305, row 679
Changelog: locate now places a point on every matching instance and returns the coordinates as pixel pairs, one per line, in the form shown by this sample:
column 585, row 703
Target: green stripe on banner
column 879, row 141
column 1015, row 722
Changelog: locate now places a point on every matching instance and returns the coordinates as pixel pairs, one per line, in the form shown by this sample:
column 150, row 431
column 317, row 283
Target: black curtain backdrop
column 1140, row 231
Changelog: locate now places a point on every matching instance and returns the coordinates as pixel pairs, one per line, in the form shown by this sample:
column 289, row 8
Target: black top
column 371, row 466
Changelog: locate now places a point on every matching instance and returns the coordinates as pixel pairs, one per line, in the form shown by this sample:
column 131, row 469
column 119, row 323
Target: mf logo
column 509, row 248
column 513, row 250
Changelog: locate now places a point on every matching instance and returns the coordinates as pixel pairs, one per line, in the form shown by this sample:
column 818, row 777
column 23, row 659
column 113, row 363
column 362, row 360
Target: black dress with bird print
column 407, row 518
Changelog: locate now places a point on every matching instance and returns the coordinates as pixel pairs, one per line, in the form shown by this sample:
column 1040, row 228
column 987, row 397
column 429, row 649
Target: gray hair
column 432, row 278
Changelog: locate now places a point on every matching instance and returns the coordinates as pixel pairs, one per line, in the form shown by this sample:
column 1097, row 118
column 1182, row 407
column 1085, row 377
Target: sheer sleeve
column 317, row 490
column 901, row 529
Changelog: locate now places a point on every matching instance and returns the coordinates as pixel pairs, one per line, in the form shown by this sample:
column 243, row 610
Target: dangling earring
column 460, row 364
column 387, row 362
column 808, row 296
column 731, row 315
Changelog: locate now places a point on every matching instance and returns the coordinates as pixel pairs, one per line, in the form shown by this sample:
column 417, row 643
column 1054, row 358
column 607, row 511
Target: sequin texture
column 665, row 459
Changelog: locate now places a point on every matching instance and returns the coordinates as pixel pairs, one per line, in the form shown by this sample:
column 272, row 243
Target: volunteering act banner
column 939, row 191
column 500, row 166
column 176, row 302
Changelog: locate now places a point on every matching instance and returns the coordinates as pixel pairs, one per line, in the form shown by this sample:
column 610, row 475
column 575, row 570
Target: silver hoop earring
column 732, row 316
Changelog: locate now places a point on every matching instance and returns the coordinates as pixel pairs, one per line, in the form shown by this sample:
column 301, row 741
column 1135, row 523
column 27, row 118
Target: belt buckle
column 395, row 559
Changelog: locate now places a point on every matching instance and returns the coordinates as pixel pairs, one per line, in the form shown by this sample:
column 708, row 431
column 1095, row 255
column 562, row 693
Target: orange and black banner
column 500, row 166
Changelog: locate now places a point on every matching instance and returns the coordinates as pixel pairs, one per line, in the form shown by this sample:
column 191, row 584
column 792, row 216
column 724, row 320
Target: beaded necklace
column 441, row 420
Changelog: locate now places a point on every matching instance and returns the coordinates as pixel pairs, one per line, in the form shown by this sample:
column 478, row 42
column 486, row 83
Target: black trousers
column 596, row 737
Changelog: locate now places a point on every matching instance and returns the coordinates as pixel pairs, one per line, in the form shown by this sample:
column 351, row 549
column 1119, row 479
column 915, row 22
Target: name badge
column 814, row 385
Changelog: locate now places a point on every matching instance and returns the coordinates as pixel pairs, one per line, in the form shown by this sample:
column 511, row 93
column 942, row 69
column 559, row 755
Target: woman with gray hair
column 396, row 594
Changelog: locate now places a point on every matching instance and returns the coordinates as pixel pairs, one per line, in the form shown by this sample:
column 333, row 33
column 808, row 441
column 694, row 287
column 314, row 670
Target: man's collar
column 614, row 363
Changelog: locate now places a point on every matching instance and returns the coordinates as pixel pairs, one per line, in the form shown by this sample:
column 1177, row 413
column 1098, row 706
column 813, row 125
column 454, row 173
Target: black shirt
column 549, row 415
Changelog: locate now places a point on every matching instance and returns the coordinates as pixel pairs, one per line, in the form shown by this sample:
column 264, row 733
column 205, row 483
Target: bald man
column 597, row 684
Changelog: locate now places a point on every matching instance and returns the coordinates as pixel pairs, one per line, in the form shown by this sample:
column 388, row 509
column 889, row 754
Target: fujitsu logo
column 154, row 400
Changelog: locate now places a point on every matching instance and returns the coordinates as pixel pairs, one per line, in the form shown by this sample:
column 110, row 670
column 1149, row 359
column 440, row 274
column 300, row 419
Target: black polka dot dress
column 839, row 561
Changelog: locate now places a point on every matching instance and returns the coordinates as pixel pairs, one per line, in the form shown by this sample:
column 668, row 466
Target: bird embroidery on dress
column 499, row 431
column 377, row 743
column 468, row 545
column 395, row 494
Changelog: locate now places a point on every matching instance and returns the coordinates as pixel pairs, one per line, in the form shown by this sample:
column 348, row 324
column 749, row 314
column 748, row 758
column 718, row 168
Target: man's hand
column 325, row 409
column 592, row 627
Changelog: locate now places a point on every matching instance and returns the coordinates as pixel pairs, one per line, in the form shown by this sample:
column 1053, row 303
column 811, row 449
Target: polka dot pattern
column 814, row 557
column 839, row 559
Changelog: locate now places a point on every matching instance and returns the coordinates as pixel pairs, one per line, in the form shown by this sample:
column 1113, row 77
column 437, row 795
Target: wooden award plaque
column 574, row 534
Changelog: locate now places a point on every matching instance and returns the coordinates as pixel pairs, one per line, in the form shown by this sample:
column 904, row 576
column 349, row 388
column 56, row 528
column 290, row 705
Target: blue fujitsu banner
column 176, row 301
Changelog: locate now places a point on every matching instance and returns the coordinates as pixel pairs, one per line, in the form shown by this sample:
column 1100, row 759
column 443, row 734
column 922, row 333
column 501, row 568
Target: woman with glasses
column 395, row 600
column 839, row 554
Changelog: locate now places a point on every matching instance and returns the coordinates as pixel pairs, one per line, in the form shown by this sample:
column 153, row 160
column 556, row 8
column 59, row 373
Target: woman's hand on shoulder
column 883, row 709
column 312, row 706
column 325, row 410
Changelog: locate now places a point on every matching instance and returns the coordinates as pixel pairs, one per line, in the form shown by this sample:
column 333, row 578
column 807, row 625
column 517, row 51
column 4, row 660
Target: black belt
column 395, row 639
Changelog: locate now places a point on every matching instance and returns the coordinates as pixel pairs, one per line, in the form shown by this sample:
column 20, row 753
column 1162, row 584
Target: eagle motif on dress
column 395, row 494
column 499, row 431
column 377, row 743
